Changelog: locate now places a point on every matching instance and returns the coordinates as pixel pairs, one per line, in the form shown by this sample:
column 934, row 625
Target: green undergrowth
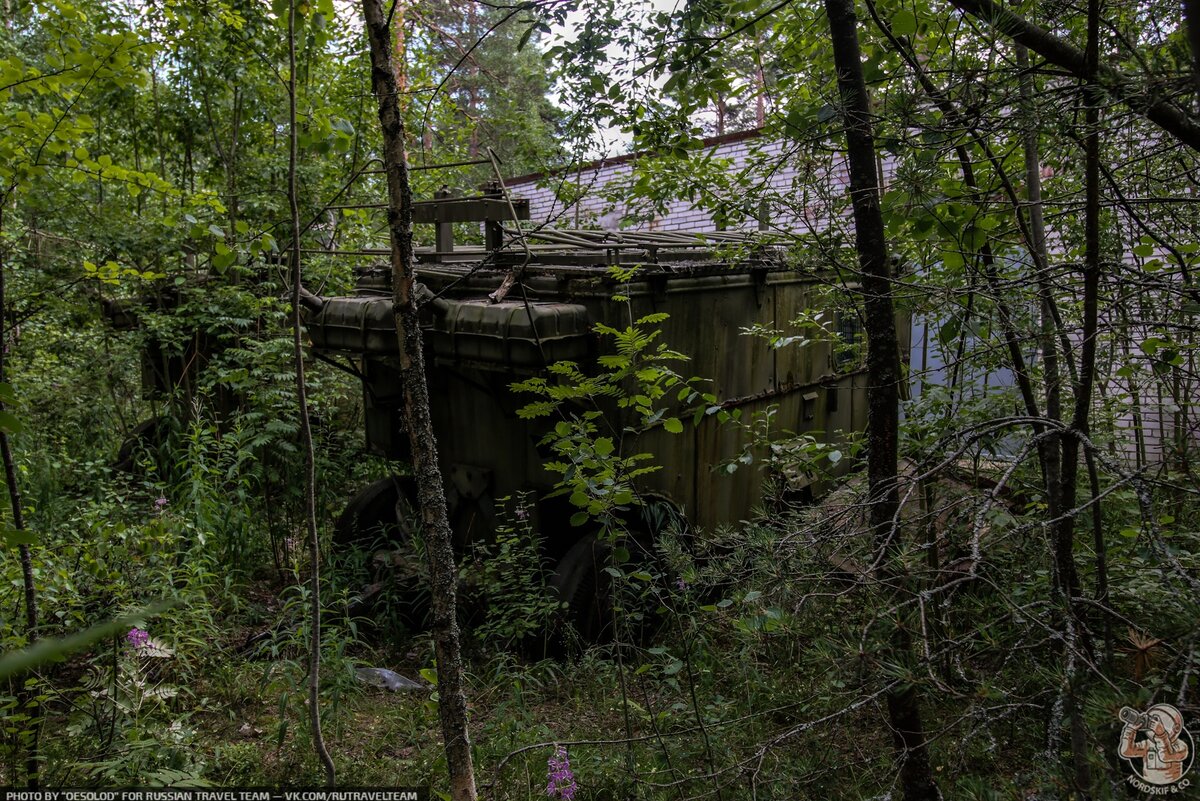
column 773, row 688
column 748, row 662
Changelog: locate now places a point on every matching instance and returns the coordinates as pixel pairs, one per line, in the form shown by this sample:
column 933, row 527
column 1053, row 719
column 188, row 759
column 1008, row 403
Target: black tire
column 375, row 544
column 147, row 436
column 372, row 517
column 585, row 591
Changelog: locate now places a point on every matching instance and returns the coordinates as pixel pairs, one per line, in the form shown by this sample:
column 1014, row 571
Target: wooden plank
column 468, row 210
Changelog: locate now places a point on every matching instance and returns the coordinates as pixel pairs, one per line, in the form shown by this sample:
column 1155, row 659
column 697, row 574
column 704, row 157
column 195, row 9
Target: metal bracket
column 469, row 482
column 759, row 277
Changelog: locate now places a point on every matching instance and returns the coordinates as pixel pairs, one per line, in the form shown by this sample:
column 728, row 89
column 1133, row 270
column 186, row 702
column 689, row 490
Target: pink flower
column 137, row 638
column 560, row 781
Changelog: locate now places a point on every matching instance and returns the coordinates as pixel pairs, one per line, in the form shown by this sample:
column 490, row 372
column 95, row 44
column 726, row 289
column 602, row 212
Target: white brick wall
column 810, row 186
column 814, row 191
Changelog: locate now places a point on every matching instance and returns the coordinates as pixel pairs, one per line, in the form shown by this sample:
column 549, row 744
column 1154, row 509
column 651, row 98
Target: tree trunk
column 310, row 473
column 1166, row 115
column 883, row 378
column 452, row 704
column 1064, row 539
column 1191, row 16
column 32, row 761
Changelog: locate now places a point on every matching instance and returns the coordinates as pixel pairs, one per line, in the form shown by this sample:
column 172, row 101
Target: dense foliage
column 1042, row 572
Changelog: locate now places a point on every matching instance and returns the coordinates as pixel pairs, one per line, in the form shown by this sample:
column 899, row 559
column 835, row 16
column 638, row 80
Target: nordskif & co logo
column 1158, row 749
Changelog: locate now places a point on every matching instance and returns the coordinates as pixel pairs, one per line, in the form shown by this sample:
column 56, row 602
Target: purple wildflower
column 161, row 504
column 680, row 584
column 137, row 638
column 560, row 781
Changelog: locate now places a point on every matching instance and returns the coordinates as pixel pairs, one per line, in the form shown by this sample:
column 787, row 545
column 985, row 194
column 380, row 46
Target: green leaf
column 7, row 394
column 904, row 23
column 223, row 261
column 49, row 650
column 673, row 425
column 524, row 40
column 9, row 424
column 14, row 536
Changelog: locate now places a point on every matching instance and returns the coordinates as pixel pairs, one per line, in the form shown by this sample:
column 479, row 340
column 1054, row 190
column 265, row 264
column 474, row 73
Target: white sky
column 613, row 141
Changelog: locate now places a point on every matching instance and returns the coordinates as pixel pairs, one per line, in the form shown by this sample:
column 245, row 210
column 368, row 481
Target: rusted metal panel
column 676, row 453
column 719, row 496
column 477, row 349
column 797, row 363
column 707, row 326
column 355, row 325
column 507, row 336
column 477, row 429
column 512, row 335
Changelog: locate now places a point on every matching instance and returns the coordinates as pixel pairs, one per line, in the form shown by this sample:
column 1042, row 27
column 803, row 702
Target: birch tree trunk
column 452, row 703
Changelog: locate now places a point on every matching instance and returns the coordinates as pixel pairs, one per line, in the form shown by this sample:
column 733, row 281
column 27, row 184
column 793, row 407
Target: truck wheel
column 146, row 436
column 379, row 526
column 384, row 512
column 585, row 590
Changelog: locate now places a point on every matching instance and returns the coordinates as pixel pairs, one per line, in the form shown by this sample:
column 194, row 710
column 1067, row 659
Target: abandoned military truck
column 498, row 314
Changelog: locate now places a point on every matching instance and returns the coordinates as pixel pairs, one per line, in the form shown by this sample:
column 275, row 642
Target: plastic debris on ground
column 386, row 679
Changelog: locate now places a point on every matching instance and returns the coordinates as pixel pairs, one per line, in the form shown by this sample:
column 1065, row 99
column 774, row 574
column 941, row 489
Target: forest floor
column 763, row 676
